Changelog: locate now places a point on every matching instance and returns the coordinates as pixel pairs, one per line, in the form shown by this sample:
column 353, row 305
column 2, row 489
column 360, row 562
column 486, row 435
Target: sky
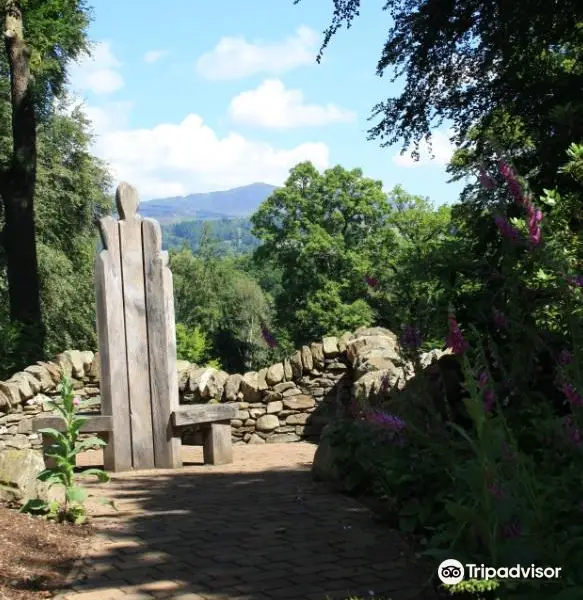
column 195, row 96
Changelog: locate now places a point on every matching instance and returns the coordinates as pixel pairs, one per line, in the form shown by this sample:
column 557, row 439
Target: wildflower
column 372, row 282
column 483, row 379
column 31, row 402
column 411, row 337
column 489, row 399
column 575, row 281
column 455, row 339
column 268, row 337
column 565, row 357
column 76, row 401
column 499, row 319
column 506, row 229
column 383, row 419
column 511, row 179
column 572, row 430
column 572, row 394
column 535, row 216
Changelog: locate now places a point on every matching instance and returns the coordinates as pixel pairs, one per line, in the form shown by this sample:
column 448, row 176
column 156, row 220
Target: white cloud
column 236, row 58
column 154, row 55
column 98, row 72
column 174, row 159
column 271, row 105
column 109, row 117
column 441, row 149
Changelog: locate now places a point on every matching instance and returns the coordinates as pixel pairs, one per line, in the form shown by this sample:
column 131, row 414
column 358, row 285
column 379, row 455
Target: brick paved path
column 258, row 529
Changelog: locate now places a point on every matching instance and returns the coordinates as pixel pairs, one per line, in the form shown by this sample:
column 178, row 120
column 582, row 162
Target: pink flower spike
column 489, row 400
column 76, row 401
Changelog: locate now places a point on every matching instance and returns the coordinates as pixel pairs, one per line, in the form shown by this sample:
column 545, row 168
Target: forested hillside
column 230, row 236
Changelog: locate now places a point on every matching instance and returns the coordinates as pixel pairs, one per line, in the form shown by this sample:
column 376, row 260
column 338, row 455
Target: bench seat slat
column 203, row 413
column 94, row 424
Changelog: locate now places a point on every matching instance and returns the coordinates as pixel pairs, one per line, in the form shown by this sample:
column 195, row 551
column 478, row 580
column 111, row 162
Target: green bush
column 502, row 486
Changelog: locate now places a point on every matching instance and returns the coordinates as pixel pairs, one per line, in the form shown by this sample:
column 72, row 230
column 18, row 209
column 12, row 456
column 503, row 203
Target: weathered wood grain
column 132, row 263
column 94, row 424
column 217, row 445
column 202, row 413
column 161, row 346
column 117, row 455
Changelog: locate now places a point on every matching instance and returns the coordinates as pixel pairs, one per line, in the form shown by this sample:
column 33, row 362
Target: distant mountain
column 238, row 202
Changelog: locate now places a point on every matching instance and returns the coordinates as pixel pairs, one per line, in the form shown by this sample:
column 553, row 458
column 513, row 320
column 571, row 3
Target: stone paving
column 258, row 529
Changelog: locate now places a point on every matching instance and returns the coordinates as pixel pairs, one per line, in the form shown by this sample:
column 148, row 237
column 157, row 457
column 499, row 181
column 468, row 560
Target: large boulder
column 207, row 384
column 232, row 387
column 324, row 466
column 19, row 469
column 275, row 374
column 249, row 387
column 372, row 339
column 379, row 384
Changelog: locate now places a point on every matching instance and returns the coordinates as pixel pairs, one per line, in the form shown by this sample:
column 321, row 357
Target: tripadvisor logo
column 452, row 571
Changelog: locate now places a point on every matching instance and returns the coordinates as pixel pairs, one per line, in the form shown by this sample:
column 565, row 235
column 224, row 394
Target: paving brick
column 258, row 529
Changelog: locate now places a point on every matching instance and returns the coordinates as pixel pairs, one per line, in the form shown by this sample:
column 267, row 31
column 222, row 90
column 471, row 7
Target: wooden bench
column 140, row 412
column 213, row 419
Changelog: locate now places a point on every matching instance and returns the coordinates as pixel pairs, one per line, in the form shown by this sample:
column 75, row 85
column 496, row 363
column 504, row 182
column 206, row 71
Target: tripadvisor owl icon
column 450, row 571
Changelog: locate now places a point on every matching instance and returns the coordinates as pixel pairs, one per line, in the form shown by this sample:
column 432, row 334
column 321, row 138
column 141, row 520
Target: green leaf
column 76, row 494
column 56, row 435
column 49, row 474
column 88, row 444
column 99, row 473
column 34, row 506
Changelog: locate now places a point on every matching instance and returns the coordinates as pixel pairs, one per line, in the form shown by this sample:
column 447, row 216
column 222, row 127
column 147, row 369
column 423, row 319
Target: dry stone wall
column 286, row 402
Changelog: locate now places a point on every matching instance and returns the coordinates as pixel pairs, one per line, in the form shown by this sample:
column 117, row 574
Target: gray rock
column 267, row 423
column 287, row 370
column 275, row 374
column 261, row 380
column 299, row 402
column 297, row 419
column 182, row 368
column 18, row 475
column 250, row 387
column 232, row 387
column 274, row 407
column 255, row 439
column 317, row 355
column 330, row 347
column 324, row 464
column 282, row 387
column 283, row 438
column 291, row 392
column 296, row 365
column 307, row 359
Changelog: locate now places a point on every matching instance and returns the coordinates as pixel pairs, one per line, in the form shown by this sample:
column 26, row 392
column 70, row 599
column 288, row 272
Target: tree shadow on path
column 252, row 530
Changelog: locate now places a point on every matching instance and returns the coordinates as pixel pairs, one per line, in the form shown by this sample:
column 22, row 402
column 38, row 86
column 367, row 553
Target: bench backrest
column 137, row 340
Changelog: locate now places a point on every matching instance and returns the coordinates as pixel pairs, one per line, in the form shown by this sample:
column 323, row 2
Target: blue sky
column 193, row 96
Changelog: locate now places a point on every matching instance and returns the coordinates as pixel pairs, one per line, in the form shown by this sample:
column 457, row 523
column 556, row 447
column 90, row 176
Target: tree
column 40, row 37
column 465, row 61
column 413, row 265
column 224, row 303
column 322, row 230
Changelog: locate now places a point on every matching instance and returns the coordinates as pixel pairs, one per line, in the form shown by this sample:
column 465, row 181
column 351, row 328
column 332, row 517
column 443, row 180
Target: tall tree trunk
column 18, row 187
